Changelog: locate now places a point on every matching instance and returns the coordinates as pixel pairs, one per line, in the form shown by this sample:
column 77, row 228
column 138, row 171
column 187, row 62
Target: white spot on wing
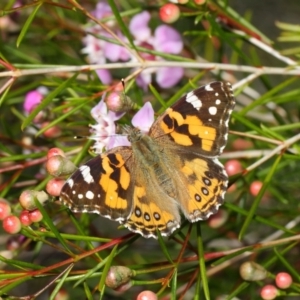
column 80, row 196
column 208, row 87
column 89, row 195
column 70, row 182
column 206, row 181
column 218, row 101
column 212, row 110
column 86, row 174
column 194, row 100
column 225, row 137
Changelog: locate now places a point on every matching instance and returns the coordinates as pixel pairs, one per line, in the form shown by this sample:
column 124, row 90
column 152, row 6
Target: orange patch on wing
column 139, row 192
column 110, row 186
column 124, row 178
column 181, row 139
column 197, row 167
column 206, row 134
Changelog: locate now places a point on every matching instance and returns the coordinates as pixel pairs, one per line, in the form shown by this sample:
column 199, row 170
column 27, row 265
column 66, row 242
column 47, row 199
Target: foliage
column 41, row 45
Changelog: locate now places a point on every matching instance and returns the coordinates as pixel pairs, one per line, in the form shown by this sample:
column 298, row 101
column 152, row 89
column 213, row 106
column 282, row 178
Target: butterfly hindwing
column 206, row 183
column 149, row 216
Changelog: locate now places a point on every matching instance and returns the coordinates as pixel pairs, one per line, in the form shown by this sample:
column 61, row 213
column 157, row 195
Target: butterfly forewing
column 199, row 120
column 102, row 186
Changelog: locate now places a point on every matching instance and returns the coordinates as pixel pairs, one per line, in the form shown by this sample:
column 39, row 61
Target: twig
column 285, row 145
column 153, row 64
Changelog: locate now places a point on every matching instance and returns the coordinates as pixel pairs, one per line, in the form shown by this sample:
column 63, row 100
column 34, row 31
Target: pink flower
column 104, row 132
column 33, row 98
column 144, row 118
column 165, row 39
column 104, row 76
column 102, row 10
column 99, row 51
column 139, row 26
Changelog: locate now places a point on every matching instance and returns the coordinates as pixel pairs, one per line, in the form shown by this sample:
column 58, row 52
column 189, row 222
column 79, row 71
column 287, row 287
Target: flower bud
column 119, row 102
column 58, row 166
column 12, row 224
column 169, row 13
column 6, row 254
column 5, row 209
column 252, row 271
column 27, row 198
column 118, row 276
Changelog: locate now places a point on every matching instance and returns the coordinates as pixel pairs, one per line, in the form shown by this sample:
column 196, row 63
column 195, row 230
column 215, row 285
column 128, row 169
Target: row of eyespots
column 147, row 217
column 204, row 190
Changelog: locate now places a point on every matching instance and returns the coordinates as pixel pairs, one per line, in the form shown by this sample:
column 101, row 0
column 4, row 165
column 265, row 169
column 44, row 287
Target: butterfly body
column 172, row 169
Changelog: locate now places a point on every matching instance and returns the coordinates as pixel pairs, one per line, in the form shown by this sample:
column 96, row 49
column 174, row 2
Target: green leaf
column 288, row 26
column 20, row 264
column 287, row 265
column 122, row 25
column 27, row 24
column 257, row 199
column 47, row 220
column 90, row 272
column 164, row 248
column 202, row 262
column 158, row 97
column 174, row 285
column 248, row 123
column 3, row 96
column 14, row 284
column 237, row 290
column 87, row 291
column 61, row 118
column 272, row 134
column 109, row 260
column 266, row 97
column 66, row 272
column 80, row 230
column 258, row 218
column 240, row 20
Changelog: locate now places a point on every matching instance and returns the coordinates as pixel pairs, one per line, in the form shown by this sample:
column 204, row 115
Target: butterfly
column 171, row 170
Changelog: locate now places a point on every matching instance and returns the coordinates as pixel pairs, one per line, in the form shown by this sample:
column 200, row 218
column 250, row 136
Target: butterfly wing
column 205, row 182
column 198, row 121
column 153, row 209
column 103, row 186
column 195, row 130
column 113, row 186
